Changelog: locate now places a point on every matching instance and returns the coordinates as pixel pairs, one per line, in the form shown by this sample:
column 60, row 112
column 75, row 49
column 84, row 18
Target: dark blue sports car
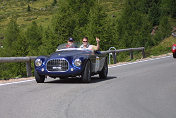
column 71, row 62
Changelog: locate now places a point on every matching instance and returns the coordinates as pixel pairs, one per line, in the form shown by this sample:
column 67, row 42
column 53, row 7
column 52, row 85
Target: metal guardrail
column 28, row 60
column 20, row 59
column 131, row 50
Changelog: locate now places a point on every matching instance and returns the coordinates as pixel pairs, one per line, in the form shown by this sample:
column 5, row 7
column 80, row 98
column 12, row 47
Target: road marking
column 16, row 82
column 138, row 62
column 108, row 67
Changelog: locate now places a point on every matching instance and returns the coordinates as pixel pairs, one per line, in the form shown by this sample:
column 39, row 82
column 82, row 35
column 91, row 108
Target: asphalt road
column 138, row 90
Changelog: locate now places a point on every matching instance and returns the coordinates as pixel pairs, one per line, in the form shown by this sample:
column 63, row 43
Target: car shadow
column 77, row 80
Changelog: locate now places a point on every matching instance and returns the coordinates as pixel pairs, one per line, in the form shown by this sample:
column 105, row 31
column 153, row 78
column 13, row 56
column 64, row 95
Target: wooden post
column 131, row 54
column 143, row 53
column 28, row 68
column 114, row 57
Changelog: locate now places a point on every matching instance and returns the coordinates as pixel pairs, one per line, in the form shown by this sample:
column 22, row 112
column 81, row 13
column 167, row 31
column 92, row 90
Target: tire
column 86, row 75
column 174, row 55
column 39, row 78
column 104, row 72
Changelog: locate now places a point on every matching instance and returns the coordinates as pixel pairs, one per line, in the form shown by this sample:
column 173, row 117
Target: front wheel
column 39, row 78
column 104, row 72
column 174, row 55
column 86, row 75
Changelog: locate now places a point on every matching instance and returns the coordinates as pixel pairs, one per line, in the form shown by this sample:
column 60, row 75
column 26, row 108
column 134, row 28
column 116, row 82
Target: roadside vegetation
column 36, row 27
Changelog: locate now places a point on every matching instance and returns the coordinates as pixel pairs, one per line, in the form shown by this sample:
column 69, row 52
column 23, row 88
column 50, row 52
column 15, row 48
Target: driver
column 86, row 45
column 70, row 43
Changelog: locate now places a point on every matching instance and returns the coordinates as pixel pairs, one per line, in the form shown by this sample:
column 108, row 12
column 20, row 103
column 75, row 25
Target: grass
column 41, row 12
column 163, row 48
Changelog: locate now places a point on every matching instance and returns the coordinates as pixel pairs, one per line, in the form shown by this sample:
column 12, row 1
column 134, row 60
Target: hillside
column 41, row 11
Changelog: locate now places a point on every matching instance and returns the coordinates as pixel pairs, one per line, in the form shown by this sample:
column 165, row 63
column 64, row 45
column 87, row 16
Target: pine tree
column 71, row 18
column 54, row 2
column 13, row 46
column 173, row 8
column 33, row 37
column 96, row 25
column 49, row 42
column 155, row 12
column 11, row 35
column 134, row 27
column 28, row 8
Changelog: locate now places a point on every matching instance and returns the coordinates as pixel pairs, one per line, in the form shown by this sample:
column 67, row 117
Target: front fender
column 174, row 48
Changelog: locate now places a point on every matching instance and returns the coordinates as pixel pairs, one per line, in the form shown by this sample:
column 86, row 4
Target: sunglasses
column 84, row 41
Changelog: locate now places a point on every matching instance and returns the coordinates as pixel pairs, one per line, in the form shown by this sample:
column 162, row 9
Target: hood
column 70, row 53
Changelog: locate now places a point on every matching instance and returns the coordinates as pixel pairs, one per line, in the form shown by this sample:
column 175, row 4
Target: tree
column 54, row 2
column 164, row 30
column 14, row 45
column 11, row 36
column 28, row 8
column 173, row 8
column 96, row 27
column 134, row 27
column 33, row 37
column 155, row 12
column 71, row 22
column 49, row 42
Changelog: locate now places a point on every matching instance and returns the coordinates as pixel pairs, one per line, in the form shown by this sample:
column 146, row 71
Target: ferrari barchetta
column 71, row 62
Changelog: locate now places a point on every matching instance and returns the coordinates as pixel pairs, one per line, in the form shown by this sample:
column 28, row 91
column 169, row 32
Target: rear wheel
column 39, row 78
column 86, row 75
column 104, row 72
column 174, row 55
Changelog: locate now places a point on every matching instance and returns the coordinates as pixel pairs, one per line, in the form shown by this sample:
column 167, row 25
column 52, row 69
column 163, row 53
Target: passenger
column 86, row 45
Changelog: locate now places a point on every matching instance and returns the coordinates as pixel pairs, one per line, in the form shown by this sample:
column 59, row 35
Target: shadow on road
column 76, row 80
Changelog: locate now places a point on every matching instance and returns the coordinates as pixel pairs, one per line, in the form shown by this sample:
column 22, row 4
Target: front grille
column 57, row 65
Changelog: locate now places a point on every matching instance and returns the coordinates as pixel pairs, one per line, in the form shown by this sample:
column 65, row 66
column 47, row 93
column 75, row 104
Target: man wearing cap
column 70, row 43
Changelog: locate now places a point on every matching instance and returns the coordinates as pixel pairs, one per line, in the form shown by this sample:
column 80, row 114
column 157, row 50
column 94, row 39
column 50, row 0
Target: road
column 138, row 90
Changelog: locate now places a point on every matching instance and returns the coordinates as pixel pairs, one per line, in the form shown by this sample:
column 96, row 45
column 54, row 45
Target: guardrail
column 20, row 59
column 28, row 60
column 131, row 50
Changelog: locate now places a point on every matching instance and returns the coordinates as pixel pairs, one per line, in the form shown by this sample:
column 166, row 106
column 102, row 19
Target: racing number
column 97, row 66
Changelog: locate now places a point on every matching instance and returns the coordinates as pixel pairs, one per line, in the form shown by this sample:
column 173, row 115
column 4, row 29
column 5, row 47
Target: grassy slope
column 42, row 11
column 163, row 48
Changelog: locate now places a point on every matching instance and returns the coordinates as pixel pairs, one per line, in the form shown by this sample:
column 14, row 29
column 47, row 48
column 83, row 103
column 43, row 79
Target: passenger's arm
column 98, row 43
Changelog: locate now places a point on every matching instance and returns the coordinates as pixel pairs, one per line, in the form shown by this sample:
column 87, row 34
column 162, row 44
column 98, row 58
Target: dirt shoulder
column 31, row 78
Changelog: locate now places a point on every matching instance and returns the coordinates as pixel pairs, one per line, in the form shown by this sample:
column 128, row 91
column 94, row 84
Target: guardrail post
column 28, row 68
column 114, row 57
column 131, row 54
column 143, row 53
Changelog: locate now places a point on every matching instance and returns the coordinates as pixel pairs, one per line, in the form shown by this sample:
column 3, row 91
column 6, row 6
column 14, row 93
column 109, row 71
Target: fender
column 174, row 48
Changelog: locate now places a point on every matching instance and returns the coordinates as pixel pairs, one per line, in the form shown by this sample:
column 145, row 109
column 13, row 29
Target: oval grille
column 57, row 65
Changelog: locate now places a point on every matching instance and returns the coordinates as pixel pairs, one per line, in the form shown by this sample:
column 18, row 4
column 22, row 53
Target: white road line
column 138, row 62
column 16, row 82
column 108, row 67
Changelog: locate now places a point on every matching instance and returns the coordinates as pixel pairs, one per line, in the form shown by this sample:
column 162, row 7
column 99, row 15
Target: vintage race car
column 174, row 50
column 71, row 62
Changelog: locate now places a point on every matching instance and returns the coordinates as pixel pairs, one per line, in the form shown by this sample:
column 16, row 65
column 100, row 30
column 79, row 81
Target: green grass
column 163, row 48
column 41, row 12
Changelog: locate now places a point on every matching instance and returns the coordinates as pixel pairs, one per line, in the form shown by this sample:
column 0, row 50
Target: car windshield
column 66, row 45
column 74, row 46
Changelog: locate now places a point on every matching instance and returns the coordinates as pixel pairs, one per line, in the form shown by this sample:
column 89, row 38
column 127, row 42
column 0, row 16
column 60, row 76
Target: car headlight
column 38, row 62
column 173, row 47
column 77, row 62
